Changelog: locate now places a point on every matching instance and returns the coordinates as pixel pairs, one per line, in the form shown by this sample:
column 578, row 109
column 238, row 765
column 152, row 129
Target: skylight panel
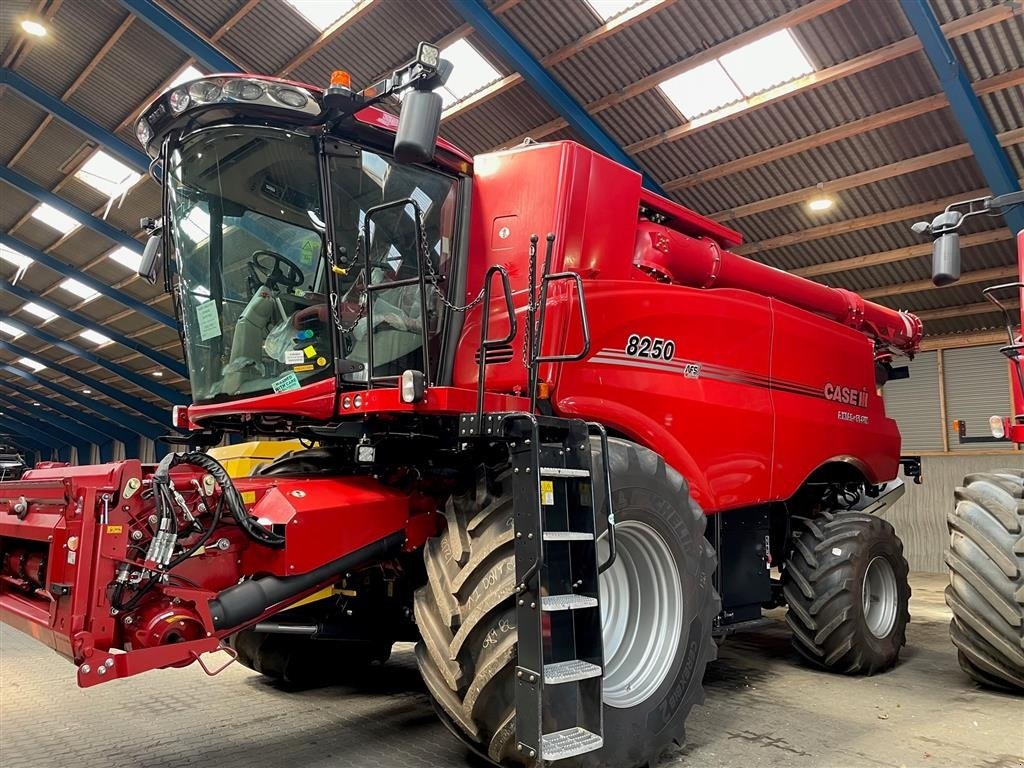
column 609, row 9
column 34, row 365
column 39, row 311
column 187, row 74
column 10, row 330
column 471, row 72
column 196, row 225
column 770, row 61
column 79, row 289
column 12, row 256
column 700, row 90
column 323, row 13
column 53, row 218
column 96, row 338
column 126, row 257
column 107, row 174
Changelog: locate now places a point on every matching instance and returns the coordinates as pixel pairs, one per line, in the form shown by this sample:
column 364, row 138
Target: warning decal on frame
column 208, row 319
column 287, row 383
column 547, row 493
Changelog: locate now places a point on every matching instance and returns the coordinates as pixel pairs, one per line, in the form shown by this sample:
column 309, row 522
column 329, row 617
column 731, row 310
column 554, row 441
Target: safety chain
column 434, row 278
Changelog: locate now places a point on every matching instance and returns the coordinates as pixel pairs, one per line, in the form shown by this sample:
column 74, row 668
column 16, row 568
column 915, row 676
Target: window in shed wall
column 914, row 404
column 977, row 387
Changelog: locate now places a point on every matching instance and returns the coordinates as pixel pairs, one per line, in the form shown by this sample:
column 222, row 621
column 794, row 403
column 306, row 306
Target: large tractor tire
column 301, row 661
column 652, row 677
column 986, row 578
column 846, row 585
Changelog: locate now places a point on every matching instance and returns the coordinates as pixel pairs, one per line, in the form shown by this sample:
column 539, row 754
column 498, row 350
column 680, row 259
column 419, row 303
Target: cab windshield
column 257, row 307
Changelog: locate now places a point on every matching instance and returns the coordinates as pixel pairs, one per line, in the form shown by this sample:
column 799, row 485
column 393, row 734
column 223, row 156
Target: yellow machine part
column 243, row 459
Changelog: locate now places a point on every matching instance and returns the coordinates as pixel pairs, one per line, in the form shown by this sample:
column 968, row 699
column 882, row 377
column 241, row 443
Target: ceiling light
column 86, row 391
column 820, row 202
column 39, row 311
column 34, row 28
column 79, row 289
column 10, row 330
column 35, row 365
column 107, row 174
column 158, row 374
column 51, row 217
column 36, row 404
column 96, row 338
column 126, row 257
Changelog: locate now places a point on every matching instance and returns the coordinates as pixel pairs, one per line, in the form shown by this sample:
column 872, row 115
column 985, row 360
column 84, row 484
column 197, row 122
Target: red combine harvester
column 986, row 554
column 564, row 499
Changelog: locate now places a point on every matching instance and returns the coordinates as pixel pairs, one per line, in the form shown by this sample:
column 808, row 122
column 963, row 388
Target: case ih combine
column 558, row 433
column 986, row 557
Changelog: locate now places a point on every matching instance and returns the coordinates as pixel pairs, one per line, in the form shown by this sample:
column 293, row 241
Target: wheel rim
column 641, row 614
column 879, row 597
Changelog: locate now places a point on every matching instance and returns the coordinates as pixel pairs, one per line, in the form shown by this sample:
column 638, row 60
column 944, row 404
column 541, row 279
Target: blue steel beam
column 91, row 430
column 160, row 416
column 118, row 424
column 76, row 317
column 110, row 143
column 101, row 430
column 520, row 60
column 22, row 436
column 160, row 390
column 967, row 108
column 84, row 218
column 99, row 286
column 43, row 437
column 50, row 423
column 200, row 50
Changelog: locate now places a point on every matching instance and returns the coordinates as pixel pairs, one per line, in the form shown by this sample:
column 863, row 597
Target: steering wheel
column 274, row 269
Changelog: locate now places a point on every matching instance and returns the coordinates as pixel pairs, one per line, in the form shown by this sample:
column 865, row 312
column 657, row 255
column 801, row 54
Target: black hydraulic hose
column 246, row 601
column 229, row 494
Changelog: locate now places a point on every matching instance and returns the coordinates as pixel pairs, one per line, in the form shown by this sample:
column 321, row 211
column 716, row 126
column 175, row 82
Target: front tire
column 303, row 662
column 466, row 614
column 846, row 584
column 986, row 578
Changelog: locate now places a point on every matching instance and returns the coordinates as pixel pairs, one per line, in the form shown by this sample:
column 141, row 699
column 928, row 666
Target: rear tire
column 468, row 623
column 986, row 578
column 846, row 584
column 303, row 662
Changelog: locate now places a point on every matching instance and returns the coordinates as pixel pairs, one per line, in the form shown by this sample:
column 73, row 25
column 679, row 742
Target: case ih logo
column 847, row 395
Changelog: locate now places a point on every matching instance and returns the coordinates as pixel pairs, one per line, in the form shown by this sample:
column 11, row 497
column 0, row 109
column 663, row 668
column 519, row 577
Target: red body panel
column 1017, row 417
column 770, row 377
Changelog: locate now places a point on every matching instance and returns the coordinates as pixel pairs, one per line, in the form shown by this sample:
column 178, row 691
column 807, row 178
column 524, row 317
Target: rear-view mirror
column 149, row 266
column 418, row 126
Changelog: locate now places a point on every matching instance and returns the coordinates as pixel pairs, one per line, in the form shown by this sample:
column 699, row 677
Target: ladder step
column 567, row 536
column 563, row 472
column 570, row 671
column 566, row 602
column 569, row 743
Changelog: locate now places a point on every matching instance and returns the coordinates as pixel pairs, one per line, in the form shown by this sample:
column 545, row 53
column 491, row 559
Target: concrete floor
column 763, row 709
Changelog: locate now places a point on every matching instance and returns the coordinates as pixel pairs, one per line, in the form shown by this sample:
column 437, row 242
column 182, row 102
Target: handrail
column 486, row 343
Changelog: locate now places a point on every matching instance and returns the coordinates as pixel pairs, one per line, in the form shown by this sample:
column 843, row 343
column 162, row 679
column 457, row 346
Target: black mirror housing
column 152, row 258
column 418, row 125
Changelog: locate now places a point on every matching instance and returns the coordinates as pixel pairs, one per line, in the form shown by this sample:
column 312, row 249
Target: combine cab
column 551, row 428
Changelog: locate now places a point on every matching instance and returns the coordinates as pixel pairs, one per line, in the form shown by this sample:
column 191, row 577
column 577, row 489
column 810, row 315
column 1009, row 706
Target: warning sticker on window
column 547, row 493
column 294, row 357
column 287, row 383
column 208, row 319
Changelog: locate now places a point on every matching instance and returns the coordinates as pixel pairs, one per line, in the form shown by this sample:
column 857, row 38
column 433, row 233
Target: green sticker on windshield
column 287, row 383
column 209, row 320
column 310, row 250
